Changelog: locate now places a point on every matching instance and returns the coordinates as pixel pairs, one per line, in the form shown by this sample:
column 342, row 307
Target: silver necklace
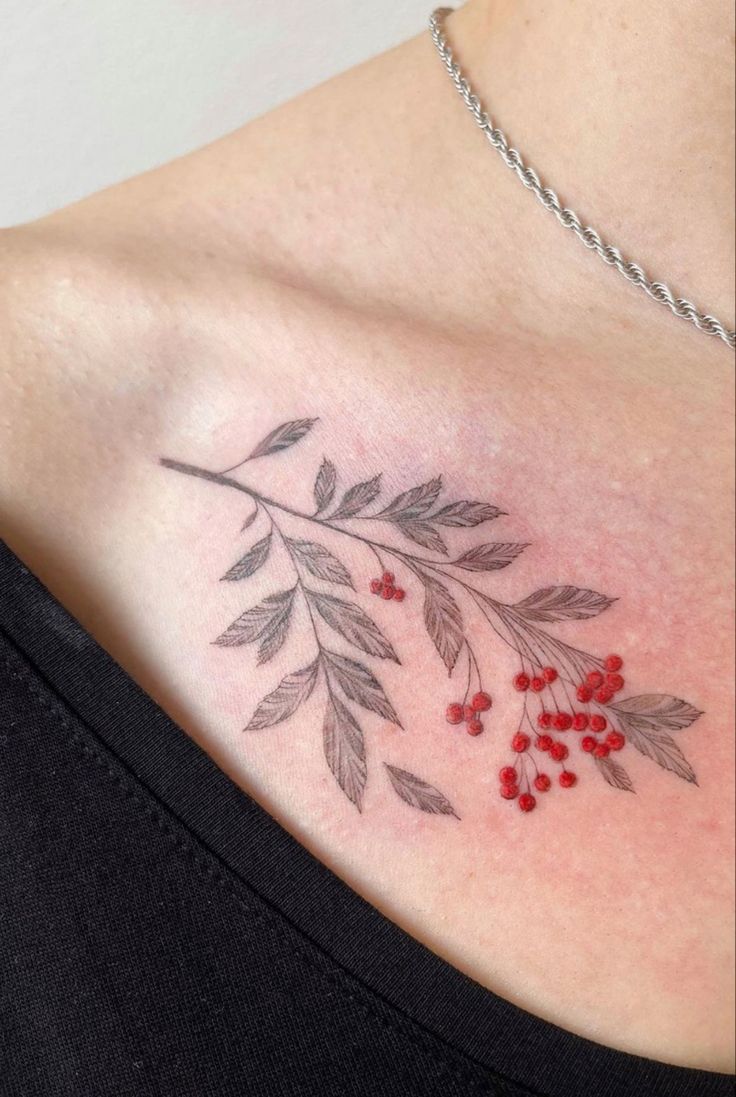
column 568, row 218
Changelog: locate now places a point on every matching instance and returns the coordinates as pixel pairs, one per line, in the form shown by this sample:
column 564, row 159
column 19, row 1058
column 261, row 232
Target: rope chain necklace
column 659, row 291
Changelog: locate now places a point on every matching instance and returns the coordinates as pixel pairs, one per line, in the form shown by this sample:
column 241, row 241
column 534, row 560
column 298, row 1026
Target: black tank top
column 161, row 934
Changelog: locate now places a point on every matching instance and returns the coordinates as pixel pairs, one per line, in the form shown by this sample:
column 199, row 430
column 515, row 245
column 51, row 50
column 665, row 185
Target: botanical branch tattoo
column 562, row 688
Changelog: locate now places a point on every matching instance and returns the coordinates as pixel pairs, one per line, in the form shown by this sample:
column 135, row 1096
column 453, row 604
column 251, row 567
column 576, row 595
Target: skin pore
column 361, row 256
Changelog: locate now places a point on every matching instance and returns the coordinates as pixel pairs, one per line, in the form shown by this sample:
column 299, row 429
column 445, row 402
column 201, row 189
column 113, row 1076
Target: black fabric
column 160, row 934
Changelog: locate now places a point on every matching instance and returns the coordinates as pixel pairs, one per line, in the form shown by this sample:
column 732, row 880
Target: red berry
column 399, row 595
column 520, row 742
column 614, row 682
column 603, row 695
column 468, row 712
column 544, row 720
column 537, row 684
column 544, row 742
column 580, row 721
column 388, row 578
column 508, row 775
column 562, row 721
column 559, row 752
column 594, row 679
column 387, row 593
column 527, row 802
column 509, row 792
column 613, row 662
column 567, row 779
column 542, row 782
column 588, row 744
column 376, row 585
column 521, row 682
column 615, row 740
column 598, row 723
column 601, row 750
column 585, row 693
column 549, row 674
column 475, row 726
column 481, row 702
column 454, row 714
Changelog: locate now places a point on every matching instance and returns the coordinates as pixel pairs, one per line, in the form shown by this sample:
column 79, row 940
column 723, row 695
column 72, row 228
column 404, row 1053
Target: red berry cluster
column 458, row 713
column 386, row 587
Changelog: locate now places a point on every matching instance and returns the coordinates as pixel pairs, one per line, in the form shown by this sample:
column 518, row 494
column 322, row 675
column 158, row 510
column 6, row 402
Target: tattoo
column 562, row 688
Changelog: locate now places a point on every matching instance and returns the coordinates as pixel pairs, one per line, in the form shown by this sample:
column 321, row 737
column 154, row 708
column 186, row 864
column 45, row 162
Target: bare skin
column 360, row 255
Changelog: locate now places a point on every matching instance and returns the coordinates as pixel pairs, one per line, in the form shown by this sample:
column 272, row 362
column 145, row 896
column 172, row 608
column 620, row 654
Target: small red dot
column 527, row 802
column 549, row 674
column 399, row 595
column 585, row 693
column 594, row 679
column 509, row 792
column 454, row 714
column 542, row 782
column 387, row 593
column 544, row 742
column 613, row 662
column 614, row 682
column 544, row 720
column 562, row 721
column 388, row 578
column 376, row 585
column 615, row 740
column 603, row 695
column 601, row 750
column 559, row 752
column 481, row 702
column 508, row 775
column 588, row 743
column 520, row 742
column 580, row 721
column 537, row 684
column 475, row 726
column 521, row 682
column 598, row 723
column 567, row 779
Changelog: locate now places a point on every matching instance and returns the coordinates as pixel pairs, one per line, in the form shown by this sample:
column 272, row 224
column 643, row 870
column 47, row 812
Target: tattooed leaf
column 359, row 685
column 661, row 748
column 283, row 702
column 273, row 636
column 253, row 559
column 657, row 710
column 257, row 623
column 614, row 773
column 412, row 503
column 564, row 603
column 424, row 534
column 357, row 497
column 319, row 562
column 345, row 750
column 282, row 437
column 489, row 557
column 250, row 519
column 413, row 790
column 443, row 620
column 324, row 485
column 465, row 513
column 352, row 623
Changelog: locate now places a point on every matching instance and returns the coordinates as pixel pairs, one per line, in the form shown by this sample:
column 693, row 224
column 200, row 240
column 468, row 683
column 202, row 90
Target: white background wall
column 93, row 91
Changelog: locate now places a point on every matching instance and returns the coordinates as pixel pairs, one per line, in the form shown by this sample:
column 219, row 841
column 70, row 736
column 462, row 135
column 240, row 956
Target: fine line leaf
column 345, row 750
column 257, row 622
column 418, row 793
column 352, row 623
column 357, row 498
column 489, row 557
column 359, row 684
column 443, row 619
column 281, row 703
column 324, row 485
column 562, row 603
column 657, row 710
column 614, row 773
column 254, row 558
column 412, row 503
column 422, row 533
column 660, row 747
column 282, row 437
column 319, row 562
column 465, row 513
